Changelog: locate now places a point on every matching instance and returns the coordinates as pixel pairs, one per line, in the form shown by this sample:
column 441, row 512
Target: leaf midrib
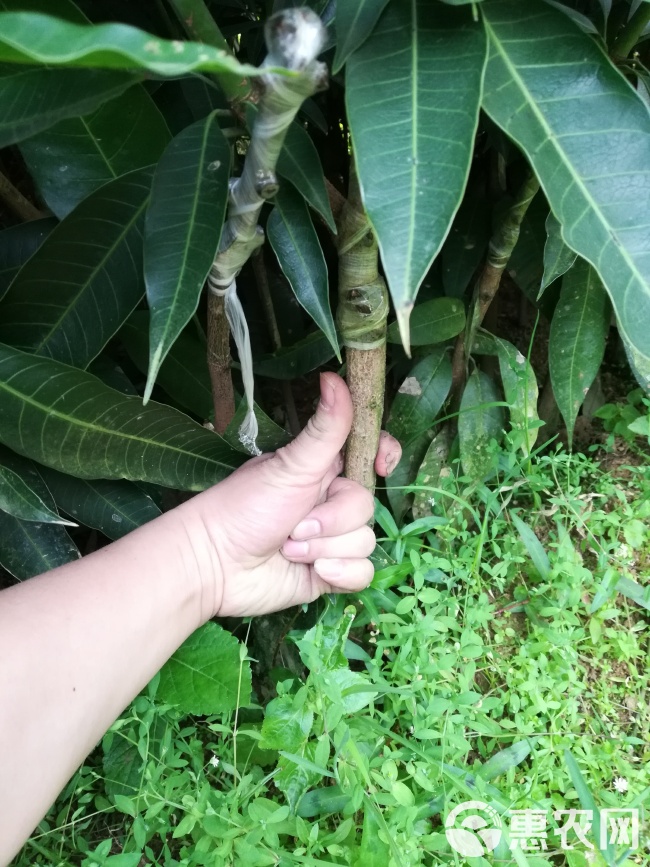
column 551, row 138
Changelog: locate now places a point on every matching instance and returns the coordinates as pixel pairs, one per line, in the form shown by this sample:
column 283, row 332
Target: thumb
column 314, row 450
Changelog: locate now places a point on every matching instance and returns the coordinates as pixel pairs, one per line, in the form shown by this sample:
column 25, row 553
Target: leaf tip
column 403, row 323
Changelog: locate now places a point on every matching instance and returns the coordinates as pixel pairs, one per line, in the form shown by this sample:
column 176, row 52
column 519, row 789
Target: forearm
column 77, row 645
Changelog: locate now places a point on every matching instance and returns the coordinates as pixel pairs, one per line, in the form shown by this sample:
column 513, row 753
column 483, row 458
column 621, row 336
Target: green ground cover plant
column 204, row 203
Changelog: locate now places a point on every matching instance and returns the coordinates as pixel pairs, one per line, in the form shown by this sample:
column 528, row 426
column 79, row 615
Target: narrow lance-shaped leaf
column 479, row 422
column 114, row 507
column 577, row 339
column 34, row 99
column 182, row 231
column 300, row 164
column 78, row 155
column 558, row 258
column 297, row 360
column 84, row 280
column 69, row 420
column 17, row 244
column 21, row 489
column 467, row 241
column 586, row 133
column 432, row 322
column 28, row 548
column 298, row 249
column 354, row 24
column 30, row 37
column 413, row 93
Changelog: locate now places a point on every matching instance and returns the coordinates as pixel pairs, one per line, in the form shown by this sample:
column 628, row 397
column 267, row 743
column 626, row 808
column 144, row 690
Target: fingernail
column 307, row 529
column 391, row 462
column 328, row 569
column 326, row 392
column 295, row 549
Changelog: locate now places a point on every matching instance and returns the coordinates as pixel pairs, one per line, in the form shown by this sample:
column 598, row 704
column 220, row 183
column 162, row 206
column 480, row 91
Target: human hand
column 285, row 528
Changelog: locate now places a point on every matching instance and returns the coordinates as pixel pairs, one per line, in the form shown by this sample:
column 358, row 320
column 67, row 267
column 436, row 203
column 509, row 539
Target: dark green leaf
column 31, row 37
column 113, row 507
column 588, row 803
column 416, row 405
column 526, row 264
column 28, row 549
column 300, row 164
column 182, row 231
column 577, row 339
column 436, row 457
column 93, row 258
column 465, row 247
column 354, row 24
column 432, row 322
column 298, row 249
column 69, row 420
column 429, row 58
column 184, row 372
column 420, row 397
column 586, row 133
column 34, row 98
column 111, row 374
column 80, row 154
column 479, row 422
column 270, row 435
column 558, row 258
column 17, row 244
column 205, row 675
column 297, row 360
column 22, row 492
column 520, row 389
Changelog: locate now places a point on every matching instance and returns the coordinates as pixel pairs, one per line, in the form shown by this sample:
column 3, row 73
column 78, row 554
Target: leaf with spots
column 577, row 339
column 480, row 421
column 432, row 322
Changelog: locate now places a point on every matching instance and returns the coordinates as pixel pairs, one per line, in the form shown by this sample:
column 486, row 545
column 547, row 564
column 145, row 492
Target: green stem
column 200, row 26
column 631, row 33
column 361, row 317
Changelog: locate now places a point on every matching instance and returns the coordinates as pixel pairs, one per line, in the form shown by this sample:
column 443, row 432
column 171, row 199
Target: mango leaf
column 17, row 244
column 93, row 260
column 300, row 164
column 414, row 409
column 21, row 491
column 30, row 37
column 184, row 372
column 269, row 437
column 69, row 420
column 432, row 322
column 297, row 360
column 430, row 58
column 115, row 508
column 479, row 422
column 203, row 676
column 521, row 392
column 299, row 253
column 465, row 246
column 110, row 373
column 80, row 154
column 182, row 231
column 436, row 457
column 34, row 99
column 572, row 132
column 354, row 24
column 28, row 548
column 558, row 258
column 577, row 339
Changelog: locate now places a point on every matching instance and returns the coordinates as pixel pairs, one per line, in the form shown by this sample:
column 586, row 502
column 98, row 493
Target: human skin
column 79, row 643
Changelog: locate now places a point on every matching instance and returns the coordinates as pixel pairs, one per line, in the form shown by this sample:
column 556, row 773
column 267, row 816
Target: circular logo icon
column 475, row 833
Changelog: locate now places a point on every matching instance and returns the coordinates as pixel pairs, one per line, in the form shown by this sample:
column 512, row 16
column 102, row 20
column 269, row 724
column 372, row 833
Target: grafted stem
column 361, row 317
column 294, row 39
column 502, row 243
